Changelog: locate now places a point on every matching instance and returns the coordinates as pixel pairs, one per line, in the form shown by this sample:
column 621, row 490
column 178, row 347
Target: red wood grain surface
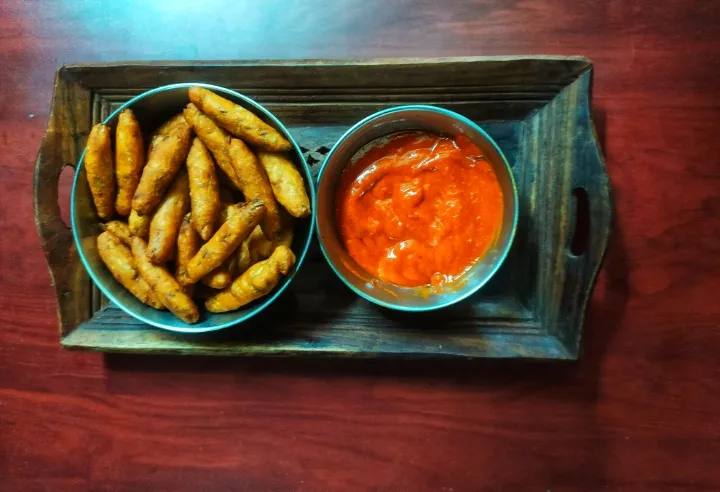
column 640, row 412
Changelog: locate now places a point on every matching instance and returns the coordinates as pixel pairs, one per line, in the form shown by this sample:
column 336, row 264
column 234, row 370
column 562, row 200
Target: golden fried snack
column 188, row 244
column 231, row 265
column 129, row 160
column 120, row 261
column 255, row 184
column 118, row 229
column 139, row 225
column 256, row 282
column 222, row 302
column 168, row 217
column 215, row 139
column 226, row 209
column 259, row 245
column 165, row 287
column 244, row 260
column 238, row 120
column 169, row 126
column 224, row 242
column 99, row 170
column 165, row 159
column 166, row 129
column 204, row 192
column 287, row 184
column 285, row 237
column 218, row 278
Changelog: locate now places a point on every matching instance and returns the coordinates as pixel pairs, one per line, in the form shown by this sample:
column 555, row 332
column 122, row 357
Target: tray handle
column 594, row 214
column 54, row 233
column 68, row 124
column 590, row 225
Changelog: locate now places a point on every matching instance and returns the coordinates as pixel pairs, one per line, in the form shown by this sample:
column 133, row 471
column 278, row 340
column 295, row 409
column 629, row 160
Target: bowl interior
column 433, row 120
column 152, row 109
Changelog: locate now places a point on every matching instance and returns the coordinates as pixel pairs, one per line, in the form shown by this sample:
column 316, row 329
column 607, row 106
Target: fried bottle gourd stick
column 166, row 129
column 285, row 238
column 238, row 120
column 120, row 230
column 188, row 244
column 165, row 159
column 99, row 170
column 244, row 260
column 257, row 281
column 120, row 261
column 165, row 287
column 224, row 241
column 227, row 209
column 204, row 191
column 170, row 125
column 255, row 184
column 231, row 266
column 129, row 160
column 223, row 301
column 257, row 247
column 220, row 277
column 223, row 275
column 139, row 225
column 261, row 247
column 166, row 221
column 286, row 182
column 215, row 139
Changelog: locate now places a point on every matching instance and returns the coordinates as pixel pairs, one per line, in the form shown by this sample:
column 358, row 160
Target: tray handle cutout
column 67, row 129
column 579, row 242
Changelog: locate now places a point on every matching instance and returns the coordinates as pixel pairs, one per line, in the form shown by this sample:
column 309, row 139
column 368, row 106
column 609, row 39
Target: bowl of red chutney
column 417, row 208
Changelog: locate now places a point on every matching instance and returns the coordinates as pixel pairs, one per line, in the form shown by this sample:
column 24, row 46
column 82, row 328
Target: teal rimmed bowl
column 404, row 118
column 152, row 108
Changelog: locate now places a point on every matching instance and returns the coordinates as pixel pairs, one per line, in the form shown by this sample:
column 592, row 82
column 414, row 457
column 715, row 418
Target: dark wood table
column 639, row 412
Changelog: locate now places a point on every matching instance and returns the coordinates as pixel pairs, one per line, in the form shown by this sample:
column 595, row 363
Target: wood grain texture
column 533, row 308
column 637, row 413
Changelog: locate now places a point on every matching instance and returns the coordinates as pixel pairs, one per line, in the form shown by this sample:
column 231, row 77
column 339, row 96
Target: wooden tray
column 536, row 108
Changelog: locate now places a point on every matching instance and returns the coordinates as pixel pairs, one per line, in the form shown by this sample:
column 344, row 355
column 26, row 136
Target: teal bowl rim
column 300, row 258
column 490, row 140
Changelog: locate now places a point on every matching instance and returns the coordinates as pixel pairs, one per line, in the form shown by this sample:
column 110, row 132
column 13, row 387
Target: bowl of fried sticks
column 191, row 207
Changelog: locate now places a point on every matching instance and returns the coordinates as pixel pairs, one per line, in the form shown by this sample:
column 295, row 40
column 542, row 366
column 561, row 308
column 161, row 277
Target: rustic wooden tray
column 536, row 108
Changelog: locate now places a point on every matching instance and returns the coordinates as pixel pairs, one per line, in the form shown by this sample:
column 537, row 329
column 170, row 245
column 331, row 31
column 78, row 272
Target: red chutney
column 418, row 209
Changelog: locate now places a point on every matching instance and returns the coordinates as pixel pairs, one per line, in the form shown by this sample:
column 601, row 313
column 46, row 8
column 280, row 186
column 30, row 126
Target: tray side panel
column 111, row 331
column 68, row 127
column 562, row 141
column 344, row 91
column 523, row 74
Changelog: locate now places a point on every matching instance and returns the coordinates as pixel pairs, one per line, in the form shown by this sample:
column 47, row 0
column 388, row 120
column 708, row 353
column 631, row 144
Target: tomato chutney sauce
column 418, row 209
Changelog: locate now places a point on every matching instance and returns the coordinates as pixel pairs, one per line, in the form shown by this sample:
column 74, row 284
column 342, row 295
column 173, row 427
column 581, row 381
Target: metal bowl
column 152, row 108
column 433, row 120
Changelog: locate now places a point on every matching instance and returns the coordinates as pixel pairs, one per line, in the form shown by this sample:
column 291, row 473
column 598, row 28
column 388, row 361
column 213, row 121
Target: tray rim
column 289, row 62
